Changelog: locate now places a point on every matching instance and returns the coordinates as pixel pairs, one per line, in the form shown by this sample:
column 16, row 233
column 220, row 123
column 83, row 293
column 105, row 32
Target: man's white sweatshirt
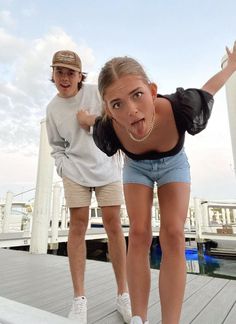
column 75, row 153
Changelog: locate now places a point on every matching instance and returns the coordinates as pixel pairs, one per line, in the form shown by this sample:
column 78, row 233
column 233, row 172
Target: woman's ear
column 153, row 88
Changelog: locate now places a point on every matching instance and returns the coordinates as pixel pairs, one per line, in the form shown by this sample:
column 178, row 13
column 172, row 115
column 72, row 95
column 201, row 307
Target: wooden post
column 39, row 235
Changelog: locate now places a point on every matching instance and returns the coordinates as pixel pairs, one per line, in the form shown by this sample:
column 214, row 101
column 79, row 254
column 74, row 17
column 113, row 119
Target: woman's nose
column 132, row 110
column 132, row 113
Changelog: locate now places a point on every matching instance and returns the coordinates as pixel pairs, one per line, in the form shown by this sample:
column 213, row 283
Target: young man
column 84, row 168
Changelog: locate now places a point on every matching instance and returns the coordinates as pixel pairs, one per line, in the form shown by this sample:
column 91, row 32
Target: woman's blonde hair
column 116, row 68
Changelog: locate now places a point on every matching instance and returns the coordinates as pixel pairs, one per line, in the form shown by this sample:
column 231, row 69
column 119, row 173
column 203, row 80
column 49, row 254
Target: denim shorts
column 165, row 170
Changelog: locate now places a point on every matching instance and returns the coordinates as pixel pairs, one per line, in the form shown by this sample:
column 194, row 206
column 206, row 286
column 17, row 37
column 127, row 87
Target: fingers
column 82, row 112
column 234, row 48
column 227, row 50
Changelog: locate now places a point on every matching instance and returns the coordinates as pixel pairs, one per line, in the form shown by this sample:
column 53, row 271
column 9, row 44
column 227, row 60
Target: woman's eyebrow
column 130, row 93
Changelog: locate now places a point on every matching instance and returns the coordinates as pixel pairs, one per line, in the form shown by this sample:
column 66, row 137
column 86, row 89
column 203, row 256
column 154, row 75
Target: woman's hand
column 218, row 80
column 231, row 57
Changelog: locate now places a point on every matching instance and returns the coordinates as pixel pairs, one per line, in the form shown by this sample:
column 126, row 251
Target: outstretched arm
column 218, row 80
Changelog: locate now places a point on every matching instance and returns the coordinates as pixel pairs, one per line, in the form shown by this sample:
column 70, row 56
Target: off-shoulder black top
column 191, row 109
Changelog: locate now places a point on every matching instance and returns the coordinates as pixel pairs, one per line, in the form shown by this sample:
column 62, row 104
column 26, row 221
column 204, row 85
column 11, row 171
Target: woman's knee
column 172, row 238
column 140, row 237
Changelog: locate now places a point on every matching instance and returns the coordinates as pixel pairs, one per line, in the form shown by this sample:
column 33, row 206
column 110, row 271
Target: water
column 204, row 265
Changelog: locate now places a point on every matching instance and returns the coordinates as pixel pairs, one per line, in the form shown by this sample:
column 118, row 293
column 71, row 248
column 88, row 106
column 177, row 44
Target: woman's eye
column 138, row 94
column 116, row 105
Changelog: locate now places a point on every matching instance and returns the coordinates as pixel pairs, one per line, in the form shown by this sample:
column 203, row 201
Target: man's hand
column 85, row 120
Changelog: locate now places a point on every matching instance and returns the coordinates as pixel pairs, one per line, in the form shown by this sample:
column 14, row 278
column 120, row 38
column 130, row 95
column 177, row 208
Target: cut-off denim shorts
column 162, row 171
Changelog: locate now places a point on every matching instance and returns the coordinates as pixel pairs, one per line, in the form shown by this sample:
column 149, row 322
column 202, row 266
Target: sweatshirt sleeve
column 57, row 143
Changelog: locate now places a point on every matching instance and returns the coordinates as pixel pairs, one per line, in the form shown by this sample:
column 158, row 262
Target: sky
column 179, row 43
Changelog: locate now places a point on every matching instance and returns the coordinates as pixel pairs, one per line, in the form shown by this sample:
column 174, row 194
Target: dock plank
column 219, row 307
column 43, row 281
column 201, row 298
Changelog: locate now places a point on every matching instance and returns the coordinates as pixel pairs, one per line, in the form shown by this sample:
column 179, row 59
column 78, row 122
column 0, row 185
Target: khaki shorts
column 80, row 196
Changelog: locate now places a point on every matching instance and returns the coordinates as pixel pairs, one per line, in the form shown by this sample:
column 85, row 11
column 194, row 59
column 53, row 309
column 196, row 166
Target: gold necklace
column 148, row 133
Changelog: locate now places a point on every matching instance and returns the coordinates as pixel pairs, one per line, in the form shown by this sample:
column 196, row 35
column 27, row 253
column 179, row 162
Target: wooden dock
column 21, row 238
column 43, row 281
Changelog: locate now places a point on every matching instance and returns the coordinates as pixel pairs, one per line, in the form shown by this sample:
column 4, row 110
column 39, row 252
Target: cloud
column 6, row 18
column 25, row 94
column 11, row 47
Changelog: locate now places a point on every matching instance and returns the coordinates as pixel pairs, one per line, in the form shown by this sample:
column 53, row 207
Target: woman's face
column 130, row 102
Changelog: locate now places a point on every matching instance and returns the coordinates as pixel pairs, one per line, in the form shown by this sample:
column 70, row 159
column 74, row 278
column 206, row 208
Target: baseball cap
column 67, row 59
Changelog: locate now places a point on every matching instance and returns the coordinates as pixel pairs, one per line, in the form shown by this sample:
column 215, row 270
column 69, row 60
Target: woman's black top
column 191, row 109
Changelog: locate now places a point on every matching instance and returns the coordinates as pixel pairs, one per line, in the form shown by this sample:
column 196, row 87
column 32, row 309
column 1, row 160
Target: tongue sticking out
column 138, row 128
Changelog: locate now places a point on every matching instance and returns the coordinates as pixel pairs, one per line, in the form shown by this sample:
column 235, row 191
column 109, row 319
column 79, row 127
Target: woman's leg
column 139, row 200
column 173, row 202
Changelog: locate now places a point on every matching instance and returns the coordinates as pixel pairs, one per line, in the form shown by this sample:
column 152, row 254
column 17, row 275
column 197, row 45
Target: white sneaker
column 78, row 310
column 137, row 320
column 123, row 306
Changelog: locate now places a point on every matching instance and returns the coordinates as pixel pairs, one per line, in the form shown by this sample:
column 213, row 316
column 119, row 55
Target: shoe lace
column 79, row 306
column 126, row 300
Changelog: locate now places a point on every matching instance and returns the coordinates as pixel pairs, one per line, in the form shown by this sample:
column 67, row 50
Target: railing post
column 7, row 212
column 63, row 216
column 56, row 206
column 198, row 218
column 42, row 203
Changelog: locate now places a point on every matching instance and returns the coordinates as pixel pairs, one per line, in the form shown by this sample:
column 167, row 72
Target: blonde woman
column 150, row 129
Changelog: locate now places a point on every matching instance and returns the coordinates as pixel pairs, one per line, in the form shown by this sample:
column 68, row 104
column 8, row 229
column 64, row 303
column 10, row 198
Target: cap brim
column 74, row 68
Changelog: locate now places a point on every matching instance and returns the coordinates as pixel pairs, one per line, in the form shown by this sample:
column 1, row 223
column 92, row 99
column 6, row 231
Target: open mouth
column 137, row 127
column 65, row 86
column 137, row 121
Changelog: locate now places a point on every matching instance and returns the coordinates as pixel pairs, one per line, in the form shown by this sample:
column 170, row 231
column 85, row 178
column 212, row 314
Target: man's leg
column 76, row 247
column 117, row 253
column 116, row 245
column 110, row 198
column 78, row 200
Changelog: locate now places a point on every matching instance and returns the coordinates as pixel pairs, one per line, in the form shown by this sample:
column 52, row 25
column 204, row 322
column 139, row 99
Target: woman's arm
column 218, row 80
